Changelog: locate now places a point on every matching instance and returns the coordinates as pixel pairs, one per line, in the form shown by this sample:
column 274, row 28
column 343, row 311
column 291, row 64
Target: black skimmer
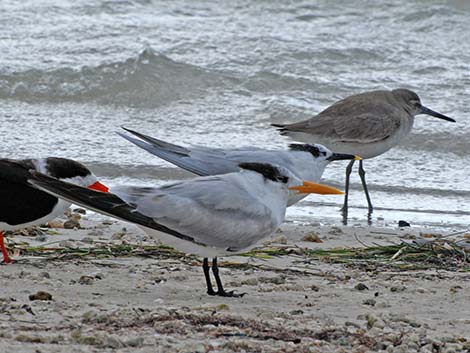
column 24, row 205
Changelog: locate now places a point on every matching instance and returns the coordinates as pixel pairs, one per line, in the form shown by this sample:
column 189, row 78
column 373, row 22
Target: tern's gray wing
column 106, row 203
column 216, row 211
column 196, row 159
column 363, row 121
column 176, row 209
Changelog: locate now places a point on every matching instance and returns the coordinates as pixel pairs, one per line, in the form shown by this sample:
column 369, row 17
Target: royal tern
column 208, row 216
column 305, row 161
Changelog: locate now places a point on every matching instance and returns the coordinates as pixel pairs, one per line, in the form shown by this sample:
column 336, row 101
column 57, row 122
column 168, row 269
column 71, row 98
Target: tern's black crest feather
column 62, row 168
column 315, row 151
column 267, row 170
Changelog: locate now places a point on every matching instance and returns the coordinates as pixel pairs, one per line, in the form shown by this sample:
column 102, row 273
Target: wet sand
column 293, row 303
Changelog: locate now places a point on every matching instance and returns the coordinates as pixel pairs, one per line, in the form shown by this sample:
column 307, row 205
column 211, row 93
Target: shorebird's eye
column 283, row 179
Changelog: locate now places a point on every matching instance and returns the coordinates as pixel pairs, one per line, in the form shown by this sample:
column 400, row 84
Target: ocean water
column 218, row 73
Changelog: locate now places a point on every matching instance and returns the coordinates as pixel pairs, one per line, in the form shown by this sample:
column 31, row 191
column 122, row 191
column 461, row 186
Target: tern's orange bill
column 99, row 187
column 314, row 188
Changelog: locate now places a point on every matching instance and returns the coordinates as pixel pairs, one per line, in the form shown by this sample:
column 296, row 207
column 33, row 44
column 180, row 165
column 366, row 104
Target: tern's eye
column 283, row 179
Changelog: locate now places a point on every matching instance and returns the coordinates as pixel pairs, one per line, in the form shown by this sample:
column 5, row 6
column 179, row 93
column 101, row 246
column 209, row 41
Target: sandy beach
column 127, row 294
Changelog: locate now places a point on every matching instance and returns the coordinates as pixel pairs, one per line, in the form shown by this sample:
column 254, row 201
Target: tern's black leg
column 362, row 174
column 205, row 268
column 220, row 289
column 344, row 210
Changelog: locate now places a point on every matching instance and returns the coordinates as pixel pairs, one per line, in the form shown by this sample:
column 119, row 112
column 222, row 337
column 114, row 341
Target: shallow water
column 72, row 72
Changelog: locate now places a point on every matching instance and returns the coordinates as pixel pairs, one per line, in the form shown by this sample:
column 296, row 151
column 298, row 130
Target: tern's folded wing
column 198, row 160
column 226, row 220
column 105, row 203
column 212, row 210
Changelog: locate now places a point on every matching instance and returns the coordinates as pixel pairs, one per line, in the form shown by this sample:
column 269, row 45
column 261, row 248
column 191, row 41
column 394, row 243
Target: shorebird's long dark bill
column 428, row 111
column 343, row 156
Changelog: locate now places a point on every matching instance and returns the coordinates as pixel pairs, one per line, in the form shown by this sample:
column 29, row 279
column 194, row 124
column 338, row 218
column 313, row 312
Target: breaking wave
column 149, row 79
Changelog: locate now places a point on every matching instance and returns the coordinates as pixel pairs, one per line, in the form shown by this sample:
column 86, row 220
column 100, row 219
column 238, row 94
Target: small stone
column 118, row 235
column 54, row 224
column 253, row 281
column 40, row 295
column 314, row 288
column 87, row 240
column 397, row 288
column 113, row 342
column 280, row 239
column 134, row 342
column 455, row 289
column 335, row 231
column 402, row 224
column 371, row 320
column 44, row 275
column 312, row 237
column 361, row 286
column 66, row 244
column 274, row 280
column 370, row 302
column 428, row 235
column 296, row 312
column 71, row 224
column 88, row 280
column 351, row 324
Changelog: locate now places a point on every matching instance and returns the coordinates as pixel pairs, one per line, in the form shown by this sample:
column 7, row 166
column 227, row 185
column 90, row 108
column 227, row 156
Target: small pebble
column 88, row 280
column 40, row 295
column 361, row 286
column 403, row 224
column 312, row 237
column 71, row 224
column 370, row 302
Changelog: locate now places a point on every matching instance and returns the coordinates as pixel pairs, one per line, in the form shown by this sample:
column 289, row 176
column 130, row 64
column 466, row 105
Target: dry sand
column 293, row 303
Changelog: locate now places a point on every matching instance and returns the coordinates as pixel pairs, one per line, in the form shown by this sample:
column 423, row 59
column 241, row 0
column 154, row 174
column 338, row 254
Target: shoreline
column 295, row 302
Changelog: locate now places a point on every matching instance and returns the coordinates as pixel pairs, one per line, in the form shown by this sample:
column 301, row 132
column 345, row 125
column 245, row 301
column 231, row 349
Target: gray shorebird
column 366, row 124
column 208, row 216
column 305, row 161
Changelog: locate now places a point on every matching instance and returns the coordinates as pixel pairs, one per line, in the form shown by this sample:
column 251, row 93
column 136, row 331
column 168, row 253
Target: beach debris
column 335, row 231
column 402, row 224
column 87, row 280
column 397, row 288
column 40, row 295
column 280, row 239
column 313, row 237
column 361, row 287
column 71, row 224
column 55, row 224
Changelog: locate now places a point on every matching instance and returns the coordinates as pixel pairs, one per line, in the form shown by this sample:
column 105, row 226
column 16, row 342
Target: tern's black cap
column 267, row 170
